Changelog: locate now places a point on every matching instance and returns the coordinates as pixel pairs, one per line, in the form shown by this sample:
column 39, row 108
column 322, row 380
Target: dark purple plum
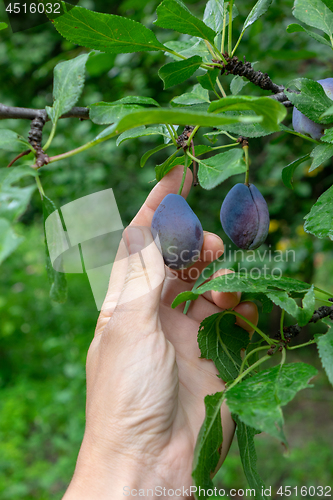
column 244, row 216
column 303, row 125
column 179, row 230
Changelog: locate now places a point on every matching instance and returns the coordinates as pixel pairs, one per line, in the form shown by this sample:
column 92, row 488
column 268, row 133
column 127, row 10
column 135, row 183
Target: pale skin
column 146, row 382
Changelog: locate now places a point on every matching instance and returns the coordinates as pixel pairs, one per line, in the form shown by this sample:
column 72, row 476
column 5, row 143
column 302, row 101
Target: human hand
column 146, row 382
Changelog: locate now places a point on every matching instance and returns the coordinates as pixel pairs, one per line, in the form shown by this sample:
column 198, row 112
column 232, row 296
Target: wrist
column 111, row 478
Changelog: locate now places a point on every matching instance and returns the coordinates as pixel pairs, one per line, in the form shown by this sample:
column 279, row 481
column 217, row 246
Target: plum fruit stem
column 184, row 175
column 172, row 135
column 313, row 341
column 248, row 370
column 269, row 340
column 40, row 187
column 231, row 4
column 224, row 26
column 281, row 324
column 247, row 173
column 249, row 354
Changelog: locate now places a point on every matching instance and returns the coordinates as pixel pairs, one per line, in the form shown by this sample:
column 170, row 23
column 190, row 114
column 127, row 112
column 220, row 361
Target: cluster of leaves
column 254, row 397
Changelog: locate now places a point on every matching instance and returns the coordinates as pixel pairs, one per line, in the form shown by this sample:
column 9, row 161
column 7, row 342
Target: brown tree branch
column 30, row 114
column 292, row 331
column 39, row 117
column 236, row 67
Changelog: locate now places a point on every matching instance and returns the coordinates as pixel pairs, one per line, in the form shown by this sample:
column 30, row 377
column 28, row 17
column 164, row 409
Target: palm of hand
column 160, row 396
column 152, row 371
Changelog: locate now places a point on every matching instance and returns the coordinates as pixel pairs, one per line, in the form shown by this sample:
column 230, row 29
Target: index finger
column 169, row 184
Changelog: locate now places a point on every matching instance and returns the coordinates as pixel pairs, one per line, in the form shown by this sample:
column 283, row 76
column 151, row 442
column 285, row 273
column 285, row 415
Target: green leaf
column 320, row 154
column 328, row 112
column 104, row 113
column 272, row 111
column 245, row 439
column 258, row 10
column 319, row 221
column 3, row 26
column 328, row 134
column 177, row 72
column 314, row 13
column 149, row 153
column 194, row 47
column 214, row 14
column 288, row 171
column 220, row 167
column 214, row 266
column 208, row 80
column 9, row 241
column 302, row 314
column 293, row 28
column 328, row 4
column 325, row 349
column 312, row 101
column 173, row 160
column 209, row 442
column 11, row 141
column 105, row 32
column 305, row 313
column 142, row 131
column 246, row 129
column 221, row 340
column 197, row 95
column 257, row 400
column 13, row 199
column 136, row 99
column 68, row 84
column 171, row 116
column 238, row 282
column 167, row 137
column 165, row 167
column 282, row 299
column 175, row 15
column 237, row 84
column 58, row 281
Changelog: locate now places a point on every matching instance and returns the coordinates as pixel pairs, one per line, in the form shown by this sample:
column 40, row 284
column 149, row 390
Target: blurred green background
column 43, row 345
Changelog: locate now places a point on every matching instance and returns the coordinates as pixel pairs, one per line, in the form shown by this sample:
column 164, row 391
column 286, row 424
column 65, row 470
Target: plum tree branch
column 236, row 67
column 29, row 113
column 289, row 332
column 38, row 119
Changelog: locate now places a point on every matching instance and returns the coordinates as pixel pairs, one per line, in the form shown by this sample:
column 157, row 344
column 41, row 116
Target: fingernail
column 216, row 236
column 134, row 239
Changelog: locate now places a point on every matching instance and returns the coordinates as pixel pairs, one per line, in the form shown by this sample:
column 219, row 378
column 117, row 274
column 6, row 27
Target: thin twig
column 26, row 152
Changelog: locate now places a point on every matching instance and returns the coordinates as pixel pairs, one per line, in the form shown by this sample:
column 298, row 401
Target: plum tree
column 303, row 124
column 179, row 230
column 244, row 216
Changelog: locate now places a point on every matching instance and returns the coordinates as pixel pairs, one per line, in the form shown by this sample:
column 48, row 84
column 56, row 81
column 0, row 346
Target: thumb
column 141, row 292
